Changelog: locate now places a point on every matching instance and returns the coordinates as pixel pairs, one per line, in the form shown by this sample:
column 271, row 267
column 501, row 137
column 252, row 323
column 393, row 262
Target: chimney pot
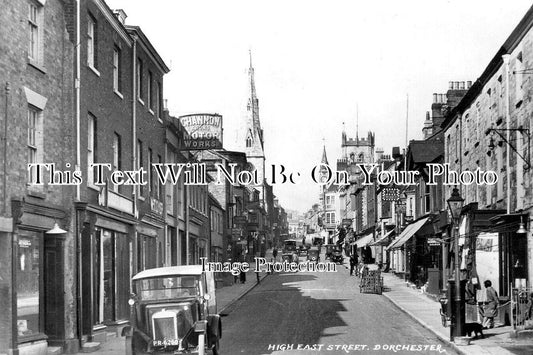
column 450, row 83
column 435, row 99
column 462, row 85
column 468, row 84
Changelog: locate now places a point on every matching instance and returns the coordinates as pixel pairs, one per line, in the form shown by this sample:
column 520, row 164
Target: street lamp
column 455, row 204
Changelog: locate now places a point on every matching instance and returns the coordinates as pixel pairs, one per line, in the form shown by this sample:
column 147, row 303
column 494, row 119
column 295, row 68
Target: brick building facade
column 37, row 288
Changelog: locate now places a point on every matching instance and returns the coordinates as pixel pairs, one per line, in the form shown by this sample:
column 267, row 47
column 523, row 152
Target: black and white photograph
column 261, row 177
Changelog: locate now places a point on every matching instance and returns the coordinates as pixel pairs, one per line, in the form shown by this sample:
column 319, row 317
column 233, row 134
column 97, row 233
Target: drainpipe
column 77, row 239
column 135, row 189
column 7, row 90
column 506, row 58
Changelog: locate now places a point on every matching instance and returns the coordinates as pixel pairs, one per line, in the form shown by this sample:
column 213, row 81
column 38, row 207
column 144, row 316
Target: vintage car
column 313, row 254
column 290, row 257
column 336, row 254
column 173, row 310
column 329, row 249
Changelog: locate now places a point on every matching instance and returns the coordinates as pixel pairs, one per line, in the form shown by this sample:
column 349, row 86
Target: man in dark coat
column 353, row 263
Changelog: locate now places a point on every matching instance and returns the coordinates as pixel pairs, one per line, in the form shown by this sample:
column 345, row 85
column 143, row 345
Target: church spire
column 253, row 102
column 324, row 157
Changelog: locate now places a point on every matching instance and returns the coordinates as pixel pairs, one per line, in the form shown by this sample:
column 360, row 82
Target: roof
column 148, row 47
column 169, row 271
column 408, row 233
column 425, row 151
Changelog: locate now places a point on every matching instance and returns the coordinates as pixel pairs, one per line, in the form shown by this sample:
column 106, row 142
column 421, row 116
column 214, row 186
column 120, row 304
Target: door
column 54, row 326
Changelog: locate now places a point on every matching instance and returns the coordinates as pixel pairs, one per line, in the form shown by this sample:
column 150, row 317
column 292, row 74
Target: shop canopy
column 364, row 241
column 383, row 240
column 407, row 233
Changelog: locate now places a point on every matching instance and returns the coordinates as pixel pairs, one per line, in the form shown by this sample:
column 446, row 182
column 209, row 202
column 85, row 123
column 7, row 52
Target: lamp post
column 455, row 204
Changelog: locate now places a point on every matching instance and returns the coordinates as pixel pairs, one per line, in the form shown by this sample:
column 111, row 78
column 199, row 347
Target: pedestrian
column 275, row 253
column 353, row 264
column 490, row 305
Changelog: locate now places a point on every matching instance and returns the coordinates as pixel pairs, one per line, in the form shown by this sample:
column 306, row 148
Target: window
column 158, row 183
column 91, row 149
column 35, row 33
column 519, row 78
column 117, row 70
column 29, row 277
column 117, row 163
column 249, row 142
column 330, row 218
column 181, row 196
column 139, row 81
column 91, row 42
column 32, row 140
column 170, row 188
column 140, row 163
column 427, row 198
column 158, row 100
column 150, row 171
column 149, row 94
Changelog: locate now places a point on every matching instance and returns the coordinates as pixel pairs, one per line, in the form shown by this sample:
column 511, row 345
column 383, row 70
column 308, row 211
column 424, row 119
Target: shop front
column 107, row 256
column 40, row 286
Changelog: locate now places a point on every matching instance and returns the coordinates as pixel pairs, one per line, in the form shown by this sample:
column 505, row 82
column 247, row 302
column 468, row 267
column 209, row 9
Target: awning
column 407, row 233
column 363, row 242
column 383, row 240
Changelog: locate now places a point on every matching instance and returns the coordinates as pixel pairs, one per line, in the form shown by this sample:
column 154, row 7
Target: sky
column 317, row 63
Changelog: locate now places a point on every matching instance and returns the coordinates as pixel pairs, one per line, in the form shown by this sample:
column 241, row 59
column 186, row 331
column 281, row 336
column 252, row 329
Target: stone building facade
column 490, row 130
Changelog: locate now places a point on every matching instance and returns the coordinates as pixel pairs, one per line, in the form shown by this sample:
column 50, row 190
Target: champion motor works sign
column 204, row 131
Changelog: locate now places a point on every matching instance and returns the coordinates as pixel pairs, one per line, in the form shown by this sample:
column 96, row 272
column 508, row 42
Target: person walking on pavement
column 353, row 263
column 490, row 306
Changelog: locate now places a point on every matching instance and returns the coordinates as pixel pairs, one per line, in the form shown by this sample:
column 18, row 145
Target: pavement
column 226, row 297
column 425, row 311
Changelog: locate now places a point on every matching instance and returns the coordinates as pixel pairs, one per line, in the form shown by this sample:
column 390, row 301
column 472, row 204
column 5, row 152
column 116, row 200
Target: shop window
column 29, row 280
column 111, row 255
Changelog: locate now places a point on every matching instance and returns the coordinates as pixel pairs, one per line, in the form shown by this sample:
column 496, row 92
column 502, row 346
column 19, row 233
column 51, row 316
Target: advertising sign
column 204, row 131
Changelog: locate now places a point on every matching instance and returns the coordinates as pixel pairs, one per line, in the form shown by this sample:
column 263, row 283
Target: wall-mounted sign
column 204, row 131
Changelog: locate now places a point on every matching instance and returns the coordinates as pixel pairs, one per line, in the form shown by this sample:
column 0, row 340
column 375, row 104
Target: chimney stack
column 120, row 15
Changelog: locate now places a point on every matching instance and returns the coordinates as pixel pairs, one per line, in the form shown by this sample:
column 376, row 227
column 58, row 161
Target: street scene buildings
column 90, row 198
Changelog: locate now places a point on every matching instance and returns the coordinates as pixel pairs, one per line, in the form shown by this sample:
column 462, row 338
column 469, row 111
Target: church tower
column 253, row 135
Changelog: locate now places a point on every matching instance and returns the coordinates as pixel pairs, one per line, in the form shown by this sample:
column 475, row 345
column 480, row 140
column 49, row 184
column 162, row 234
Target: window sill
column 160, row 120
column 140, row 101
column 141, row 198
column 118, row 94
column 36, row 65
column 36, row 191
column 92, row 186
column 94, row 70
column 152, row 112
column 31, row 338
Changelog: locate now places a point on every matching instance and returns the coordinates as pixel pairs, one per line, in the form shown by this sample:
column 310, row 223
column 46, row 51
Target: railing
column 522, row 308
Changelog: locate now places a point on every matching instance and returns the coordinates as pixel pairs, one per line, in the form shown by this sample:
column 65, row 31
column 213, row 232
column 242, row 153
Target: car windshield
column 168, row 287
